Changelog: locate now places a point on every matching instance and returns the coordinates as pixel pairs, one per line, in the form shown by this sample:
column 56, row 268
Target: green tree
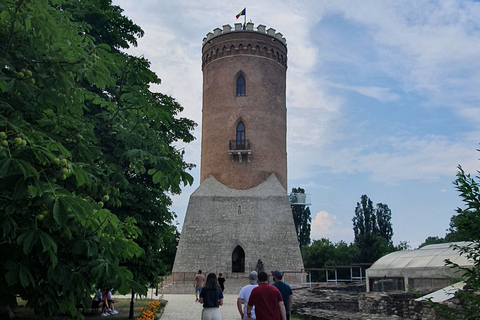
column 83, row 143
column 142, row 198
column 372, row 239
column 465, row 224
column 432, row 240
column 384, row 222
column 323, row 253
column 301, row 217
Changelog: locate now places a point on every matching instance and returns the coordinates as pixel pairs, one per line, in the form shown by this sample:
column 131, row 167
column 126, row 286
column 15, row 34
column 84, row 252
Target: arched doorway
column 238, row 260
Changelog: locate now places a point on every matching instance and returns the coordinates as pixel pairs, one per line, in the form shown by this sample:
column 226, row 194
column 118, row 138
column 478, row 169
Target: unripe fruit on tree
column 40, row 217
column 63, row 177
column 45, row 212
column 4, row 143
column 20, row 75
column 24, row 143
column 17, row 140
column 32, row 81
column 28, row 73
column 56, row 161
column 106, row 198
column 63, row 161
column 64, row 170
column 100, row 204
column 3, row 135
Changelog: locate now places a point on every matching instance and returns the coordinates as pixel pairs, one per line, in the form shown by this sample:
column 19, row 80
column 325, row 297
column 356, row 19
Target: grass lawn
column 121, row 305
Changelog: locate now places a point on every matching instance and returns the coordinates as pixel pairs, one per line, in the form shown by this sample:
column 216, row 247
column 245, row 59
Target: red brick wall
column 261, row 59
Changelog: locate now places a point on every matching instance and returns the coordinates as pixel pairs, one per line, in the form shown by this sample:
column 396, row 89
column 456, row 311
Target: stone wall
column 219, row 219
column 401, row 304
column 349, row 303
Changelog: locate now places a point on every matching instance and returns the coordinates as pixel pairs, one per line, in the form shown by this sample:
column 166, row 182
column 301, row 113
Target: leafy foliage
column 301, row 217
column 86, row 156
column 432, row 240
column 465, row 227
column 372, row 229
column 323, row 253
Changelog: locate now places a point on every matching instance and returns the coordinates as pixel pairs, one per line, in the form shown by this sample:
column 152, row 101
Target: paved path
column 184, row 307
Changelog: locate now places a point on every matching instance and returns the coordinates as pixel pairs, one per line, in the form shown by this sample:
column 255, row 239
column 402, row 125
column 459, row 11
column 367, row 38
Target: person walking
column 244, row 295
column 221, row 282
column 267, row 300
column 198, row 283
column 211, row 297
column 285, row 290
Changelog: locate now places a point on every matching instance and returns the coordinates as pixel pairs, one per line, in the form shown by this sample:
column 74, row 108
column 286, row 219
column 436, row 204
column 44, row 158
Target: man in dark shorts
column 198, row 283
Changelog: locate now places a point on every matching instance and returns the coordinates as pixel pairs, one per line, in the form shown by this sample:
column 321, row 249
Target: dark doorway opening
column 238, row 260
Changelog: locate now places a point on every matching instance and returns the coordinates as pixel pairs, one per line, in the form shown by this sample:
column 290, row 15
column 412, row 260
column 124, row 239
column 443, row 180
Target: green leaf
column 97, row 100
column 159, row 178
column 25, row 276
column 59, row 214
column 4, row 167
column 12, row 277
column 28, row 243
column 104, row 46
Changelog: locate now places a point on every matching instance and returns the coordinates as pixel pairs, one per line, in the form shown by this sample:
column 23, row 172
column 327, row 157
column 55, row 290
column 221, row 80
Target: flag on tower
column 244, row 11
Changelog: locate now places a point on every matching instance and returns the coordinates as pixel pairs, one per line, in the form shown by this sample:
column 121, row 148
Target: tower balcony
column 300, row 199
column 238, row 149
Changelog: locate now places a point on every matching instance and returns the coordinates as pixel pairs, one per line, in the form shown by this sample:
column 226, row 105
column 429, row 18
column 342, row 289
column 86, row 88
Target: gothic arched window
column 240, row 136
column 240, row 86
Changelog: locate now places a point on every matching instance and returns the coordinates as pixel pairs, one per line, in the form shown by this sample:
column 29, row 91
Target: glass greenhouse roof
column 430, row 256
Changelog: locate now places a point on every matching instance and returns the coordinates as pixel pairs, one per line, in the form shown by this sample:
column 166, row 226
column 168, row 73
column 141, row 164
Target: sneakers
column 104, row 314
column 114, row 312
column 196, row 300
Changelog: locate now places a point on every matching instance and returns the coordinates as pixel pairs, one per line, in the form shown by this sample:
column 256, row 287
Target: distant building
column 241, row 213
column 420, row 270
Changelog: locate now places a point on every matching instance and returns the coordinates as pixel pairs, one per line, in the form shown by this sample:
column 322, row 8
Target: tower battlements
column 249, row 27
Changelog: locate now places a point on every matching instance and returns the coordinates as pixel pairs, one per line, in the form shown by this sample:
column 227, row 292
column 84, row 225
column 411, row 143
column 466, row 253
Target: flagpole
column 245, row 19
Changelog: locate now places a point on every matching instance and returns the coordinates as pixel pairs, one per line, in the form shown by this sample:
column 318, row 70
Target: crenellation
column 249, row 27
column 271, row 32
column 217, row 32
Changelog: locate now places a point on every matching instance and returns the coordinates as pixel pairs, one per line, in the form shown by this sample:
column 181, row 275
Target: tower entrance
column 238, row 260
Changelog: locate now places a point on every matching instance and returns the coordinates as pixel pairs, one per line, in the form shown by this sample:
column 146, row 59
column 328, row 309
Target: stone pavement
column 184, row 307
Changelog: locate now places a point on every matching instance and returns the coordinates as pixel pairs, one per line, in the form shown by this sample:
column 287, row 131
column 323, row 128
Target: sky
column 383, row 99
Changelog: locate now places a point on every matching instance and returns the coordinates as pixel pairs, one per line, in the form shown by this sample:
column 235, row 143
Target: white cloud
column 325, row 225
column 378, row 93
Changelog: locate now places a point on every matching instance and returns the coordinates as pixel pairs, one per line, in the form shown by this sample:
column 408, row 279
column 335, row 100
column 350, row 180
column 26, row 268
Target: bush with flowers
column 149, row 314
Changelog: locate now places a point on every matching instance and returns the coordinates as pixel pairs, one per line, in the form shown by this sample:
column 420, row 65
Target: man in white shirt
column 245, row 294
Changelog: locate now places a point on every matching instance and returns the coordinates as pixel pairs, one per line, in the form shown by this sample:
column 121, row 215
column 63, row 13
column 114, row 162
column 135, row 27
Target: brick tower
column 241, row 213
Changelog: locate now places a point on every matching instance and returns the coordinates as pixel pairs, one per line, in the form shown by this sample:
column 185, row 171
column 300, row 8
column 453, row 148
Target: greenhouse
column 421, row 270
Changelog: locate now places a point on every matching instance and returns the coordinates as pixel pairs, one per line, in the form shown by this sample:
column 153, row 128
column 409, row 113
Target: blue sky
column 383, row 99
